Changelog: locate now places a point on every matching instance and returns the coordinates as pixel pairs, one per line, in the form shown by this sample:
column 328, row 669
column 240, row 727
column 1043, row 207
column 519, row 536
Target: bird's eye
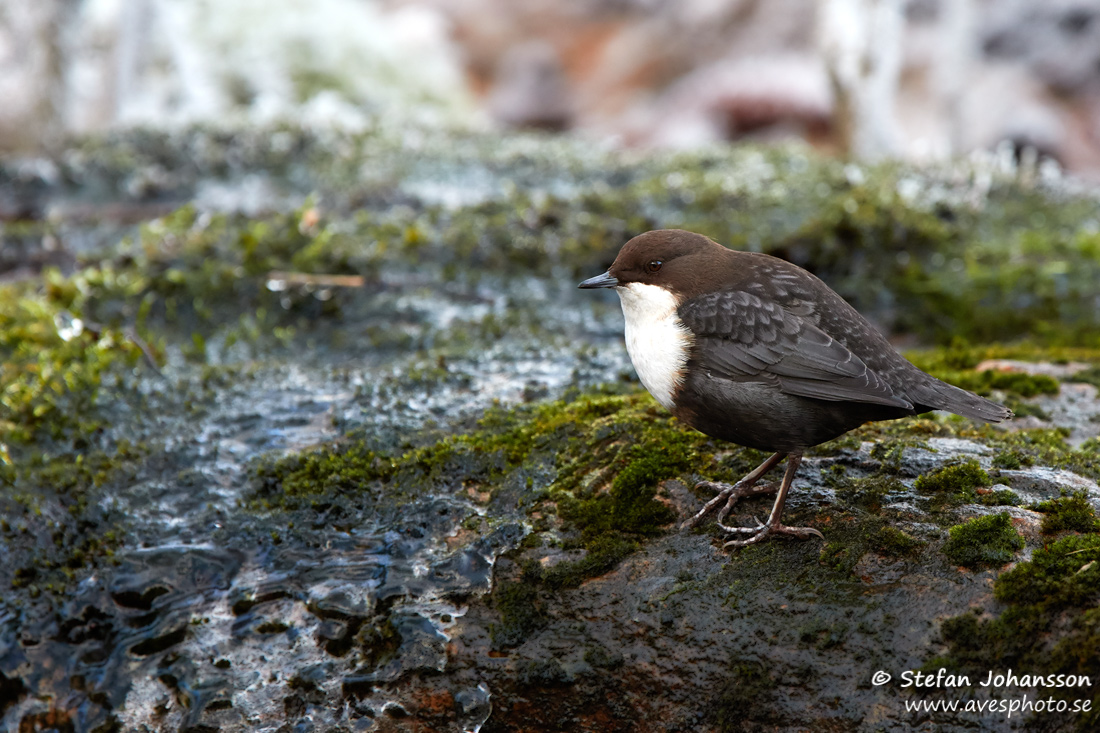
column 653, row 266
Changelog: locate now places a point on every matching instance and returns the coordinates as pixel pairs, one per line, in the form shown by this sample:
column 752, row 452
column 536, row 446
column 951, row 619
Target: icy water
column 202, row 599
column 211, row 610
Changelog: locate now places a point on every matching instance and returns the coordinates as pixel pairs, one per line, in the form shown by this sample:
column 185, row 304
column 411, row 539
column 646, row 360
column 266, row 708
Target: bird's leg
column 730, row 494
column 773, row 525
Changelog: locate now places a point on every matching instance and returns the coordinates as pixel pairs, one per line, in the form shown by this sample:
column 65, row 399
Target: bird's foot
column 742, row 530
column 727, row 496
column 763, row 531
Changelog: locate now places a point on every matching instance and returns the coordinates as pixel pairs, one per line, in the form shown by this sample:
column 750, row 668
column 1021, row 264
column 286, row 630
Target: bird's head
column 672, row 259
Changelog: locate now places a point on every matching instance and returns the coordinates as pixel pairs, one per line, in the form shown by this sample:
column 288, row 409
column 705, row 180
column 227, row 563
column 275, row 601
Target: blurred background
column 288, row 302
column 912, row 78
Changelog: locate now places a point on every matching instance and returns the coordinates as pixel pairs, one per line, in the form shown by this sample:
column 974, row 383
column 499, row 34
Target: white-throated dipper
column 751, row 349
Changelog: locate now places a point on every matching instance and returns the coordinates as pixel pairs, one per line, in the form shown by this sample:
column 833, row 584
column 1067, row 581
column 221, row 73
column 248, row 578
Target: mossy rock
column 603, row 456
column 1001, row 497
column 866, row 493
column 521, row 613
column 1049, row 626
column 1012, row 460
column 957, row 478
column 894, row 542
column 954, row 484
column 1069, row 513
column 984, row 542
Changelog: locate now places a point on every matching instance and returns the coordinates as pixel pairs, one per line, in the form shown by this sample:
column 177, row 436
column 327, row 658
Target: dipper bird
column 749, row 348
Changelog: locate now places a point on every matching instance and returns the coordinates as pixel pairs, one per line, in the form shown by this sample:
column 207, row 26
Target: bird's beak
column 600, row 281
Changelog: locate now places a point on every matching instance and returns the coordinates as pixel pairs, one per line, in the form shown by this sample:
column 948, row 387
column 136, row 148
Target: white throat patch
column 656, row 339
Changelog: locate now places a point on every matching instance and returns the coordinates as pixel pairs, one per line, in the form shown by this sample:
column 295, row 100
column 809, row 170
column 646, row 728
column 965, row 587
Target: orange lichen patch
column 436, row 703
column 52, row 719
column 473, row 492
column 461, row 539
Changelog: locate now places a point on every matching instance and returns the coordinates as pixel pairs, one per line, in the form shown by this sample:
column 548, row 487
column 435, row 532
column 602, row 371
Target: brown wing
column 741, row 337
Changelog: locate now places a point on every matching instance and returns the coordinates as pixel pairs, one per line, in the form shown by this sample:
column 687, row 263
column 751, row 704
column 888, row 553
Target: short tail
column 934, row 394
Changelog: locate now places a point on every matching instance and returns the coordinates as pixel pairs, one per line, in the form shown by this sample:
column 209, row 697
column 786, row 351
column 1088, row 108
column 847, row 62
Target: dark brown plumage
column 754, row 350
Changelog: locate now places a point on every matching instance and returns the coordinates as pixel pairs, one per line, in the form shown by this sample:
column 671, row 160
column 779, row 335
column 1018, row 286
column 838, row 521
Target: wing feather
column 741, row 337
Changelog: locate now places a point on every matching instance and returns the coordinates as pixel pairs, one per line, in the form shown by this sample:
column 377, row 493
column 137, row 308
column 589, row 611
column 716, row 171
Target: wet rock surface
column 240, row 493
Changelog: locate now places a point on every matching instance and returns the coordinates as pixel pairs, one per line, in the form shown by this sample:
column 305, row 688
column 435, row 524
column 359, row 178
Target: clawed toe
column 803, row 533
column 728, row 495
column 742, row 530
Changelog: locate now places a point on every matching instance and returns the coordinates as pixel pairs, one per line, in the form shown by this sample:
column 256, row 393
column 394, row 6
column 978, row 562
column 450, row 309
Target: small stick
column 305, row 278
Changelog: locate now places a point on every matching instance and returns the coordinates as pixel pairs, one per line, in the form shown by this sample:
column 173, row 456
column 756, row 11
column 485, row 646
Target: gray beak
column 600, row 281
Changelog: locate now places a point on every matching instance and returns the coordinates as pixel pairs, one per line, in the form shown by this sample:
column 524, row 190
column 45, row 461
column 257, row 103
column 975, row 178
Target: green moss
column 1047, row 447
column 607, row 454
column 892, row 541
column 891, row 451
column 1060, row 575
column 350, row 467
column 960, row 477
column 963, row 355
column 1016, row 383
column 1050, row 624
column 521, row 614
column 1001, row 497
column 866, row 493
column 989, row 541
column 1012, row 460
column 953, row 484
column 505, row 439
column 629, row 503
column 602, row 554
column 839, row 556
column 1068, row 513
column 60, row 497
column 52, row 364
column 636, row 449
column 956, row 365
column 533, row 540
column 852, row 537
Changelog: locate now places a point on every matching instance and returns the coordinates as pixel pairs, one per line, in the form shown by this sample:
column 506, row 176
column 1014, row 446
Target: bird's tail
column 936, row 394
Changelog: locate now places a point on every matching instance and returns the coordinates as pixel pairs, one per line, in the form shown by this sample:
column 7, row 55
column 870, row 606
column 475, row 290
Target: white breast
column 656, row 339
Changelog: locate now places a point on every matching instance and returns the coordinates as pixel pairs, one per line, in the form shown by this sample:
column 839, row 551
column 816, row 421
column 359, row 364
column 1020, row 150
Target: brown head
column 681, row 262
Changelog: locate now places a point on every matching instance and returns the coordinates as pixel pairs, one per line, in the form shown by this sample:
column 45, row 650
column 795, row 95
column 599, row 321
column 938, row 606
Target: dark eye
column 653, row 266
